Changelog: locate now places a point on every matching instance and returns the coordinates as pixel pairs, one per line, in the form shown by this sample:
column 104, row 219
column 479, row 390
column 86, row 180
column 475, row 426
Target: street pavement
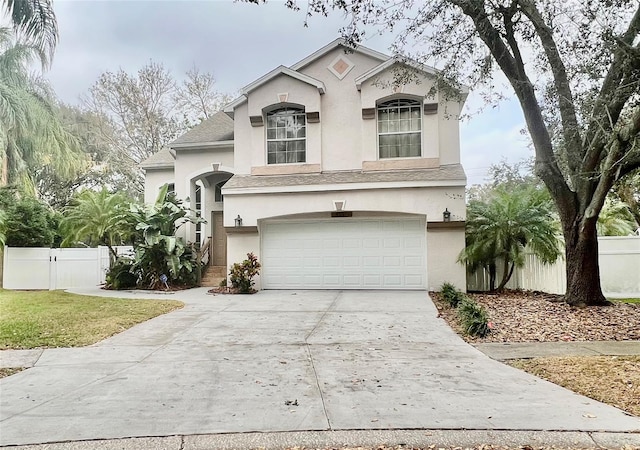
column 285, row 361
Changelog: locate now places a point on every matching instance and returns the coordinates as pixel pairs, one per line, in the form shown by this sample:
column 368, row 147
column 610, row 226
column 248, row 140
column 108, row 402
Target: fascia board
column 230, row 107
column 282, row 70
column 214, row 144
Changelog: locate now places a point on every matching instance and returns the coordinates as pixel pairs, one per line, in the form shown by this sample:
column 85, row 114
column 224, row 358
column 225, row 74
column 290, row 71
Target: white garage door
column 344, row 254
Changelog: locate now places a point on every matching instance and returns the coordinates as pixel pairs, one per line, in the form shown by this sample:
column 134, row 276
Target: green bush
column 451, row 295
column 474, row 318
column 241, row 274
column 120, row 275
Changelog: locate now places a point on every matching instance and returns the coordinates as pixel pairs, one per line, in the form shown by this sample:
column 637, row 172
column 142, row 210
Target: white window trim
column 389, row 133
column 299, row 112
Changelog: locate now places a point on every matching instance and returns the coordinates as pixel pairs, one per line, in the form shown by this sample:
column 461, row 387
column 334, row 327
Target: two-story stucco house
column 333, row 175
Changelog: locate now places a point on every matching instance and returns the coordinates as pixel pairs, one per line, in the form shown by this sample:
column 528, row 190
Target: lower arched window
column 286, row 136
column 399, row 128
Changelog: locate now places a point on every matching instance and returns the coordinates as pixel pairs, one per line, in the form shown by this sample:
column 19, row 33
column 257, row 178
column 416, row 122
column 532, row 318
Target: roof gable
column 401, row 61
column 282, row 70
column 333, row 45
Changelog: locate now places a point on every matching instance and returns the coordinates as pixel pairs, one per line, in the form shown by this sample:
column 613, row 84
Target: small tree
column 28, row 222
column 499, row 230
column 241, row 274
column 98, row 218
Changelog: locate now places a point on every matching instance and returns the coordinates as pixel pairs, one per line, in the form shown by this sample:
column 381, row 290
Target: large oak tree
column 574, row 66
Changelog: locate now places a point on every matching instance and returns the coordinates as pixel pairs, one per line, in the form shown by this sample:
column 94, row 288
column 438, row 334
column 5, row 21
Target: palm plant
column 32, row 136
column 98, row 218
column 499, row 230
column 158, row 250
column 615, row 219
column 36, row 22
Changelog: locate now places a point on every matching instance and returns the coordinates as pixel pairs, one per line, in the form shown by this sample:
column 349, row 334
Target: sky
column 238, row 43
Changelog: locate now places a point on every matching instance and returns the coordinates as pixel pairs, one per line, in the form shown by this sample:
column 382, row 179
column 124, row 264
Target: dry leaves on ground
column 610, row 379
column 518, row 316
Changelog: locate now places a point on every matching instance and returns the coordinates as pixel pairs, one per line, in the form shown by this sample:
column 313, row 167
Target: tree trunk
column 508, row 272
column 492, row 277
column 583, row 270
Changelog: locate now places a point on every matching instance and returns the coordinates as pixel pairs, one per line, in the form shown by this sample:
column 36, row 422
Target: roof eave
column 210, row 144
column 158, row 166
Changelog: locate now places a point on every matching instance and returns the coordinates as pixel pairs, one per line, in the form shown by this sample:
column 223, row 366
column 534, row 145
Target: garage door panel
column 330, row 243
column 351, row 261
column 412, row 261
column 371, row 243
column 392, row 261
column 347, row 254
column 392, row 243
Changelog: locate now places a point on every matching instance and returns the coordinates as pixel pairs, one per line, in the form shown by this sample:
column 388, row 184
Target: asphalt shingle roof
column 160, row 160
column 218, row 127
column 453, row 172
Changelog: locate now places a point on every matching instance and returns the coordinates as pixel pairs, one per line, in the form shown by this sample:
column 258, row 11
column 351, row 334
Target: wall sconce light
column 238, row 221
column 446, row 215
column 339, row 204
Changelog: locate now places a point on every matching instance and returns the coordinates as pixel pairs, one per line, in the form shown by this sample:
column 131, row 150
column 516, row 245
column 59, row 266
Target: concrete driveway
column 285, row 361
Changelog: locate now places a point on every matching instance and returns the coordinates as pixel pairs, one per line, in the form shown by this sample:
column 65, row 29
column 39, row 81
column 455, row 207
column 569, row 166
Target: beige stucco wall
column 194, row 164
column 449, row 132
column 341, row 114
column 443, row 248
column 153, row 180
column 427, row 201
column 265, row 98
column 343, row 139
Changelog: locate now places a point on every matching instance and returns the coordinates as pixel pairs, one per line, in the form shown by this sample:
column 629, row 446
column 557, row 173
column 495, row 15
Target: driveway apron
column 285, row 361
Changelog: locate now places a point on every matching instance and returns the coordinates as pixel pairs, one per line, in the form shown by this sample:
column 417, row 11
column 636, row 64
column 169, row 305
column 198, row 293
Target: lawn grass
column 610, row 379
column 633, row 301
column 48, row 319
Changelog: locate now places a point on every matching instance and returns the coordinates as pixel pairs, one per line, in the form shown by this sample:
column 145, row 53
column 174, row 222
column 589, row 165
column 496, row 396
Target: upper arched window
column 399, row 128
column 286, row 136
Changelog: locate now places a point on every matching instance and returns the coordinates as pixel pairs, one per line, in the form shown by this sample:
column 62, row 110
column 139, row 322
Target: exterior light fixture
column 238, row 221
column 339, row 204
column 446, row 215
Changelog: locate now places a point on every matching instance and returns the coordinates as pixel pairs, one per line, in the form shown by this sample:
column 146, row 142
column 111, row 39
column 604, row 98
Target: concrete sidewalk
column 357, row 438
column 282, row 364
column 503, row 351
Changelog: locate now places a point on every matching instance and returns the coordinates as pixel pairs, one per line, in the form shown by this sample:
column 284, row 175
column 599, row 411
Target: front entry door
column 219, row 239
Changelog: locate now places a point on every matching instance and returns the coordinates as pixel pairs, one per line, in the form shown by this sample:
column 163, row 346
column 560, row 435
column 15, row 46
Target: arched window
column 286, row 136
column 399, row 128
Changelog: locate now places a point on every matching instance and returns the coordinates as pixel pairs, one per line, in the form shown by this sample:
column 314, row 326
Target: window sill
column 400, row 163
column 286, row 169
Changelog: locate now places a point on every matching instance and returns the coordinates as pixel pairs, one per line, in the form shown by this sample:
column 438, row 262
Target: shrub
column 120, row 275
column 241, row 274
column 451, row 295
column 474, row 318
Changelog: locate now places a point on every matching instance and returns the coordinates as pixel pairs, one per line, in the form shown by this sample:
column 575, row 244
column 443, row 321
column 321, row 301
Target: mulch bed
column 518, row 316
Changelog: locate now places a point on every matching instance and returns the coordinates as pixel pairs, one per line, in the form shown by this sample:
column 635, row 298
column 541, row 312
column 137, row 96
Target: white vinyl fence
column 619, row 271
column 55, row 268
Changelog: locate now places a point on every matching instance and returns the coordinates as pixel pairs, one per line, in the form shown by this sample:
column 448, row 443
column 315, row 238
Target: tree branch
column 570, row 128
column 546, row 166
column 611, row 98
